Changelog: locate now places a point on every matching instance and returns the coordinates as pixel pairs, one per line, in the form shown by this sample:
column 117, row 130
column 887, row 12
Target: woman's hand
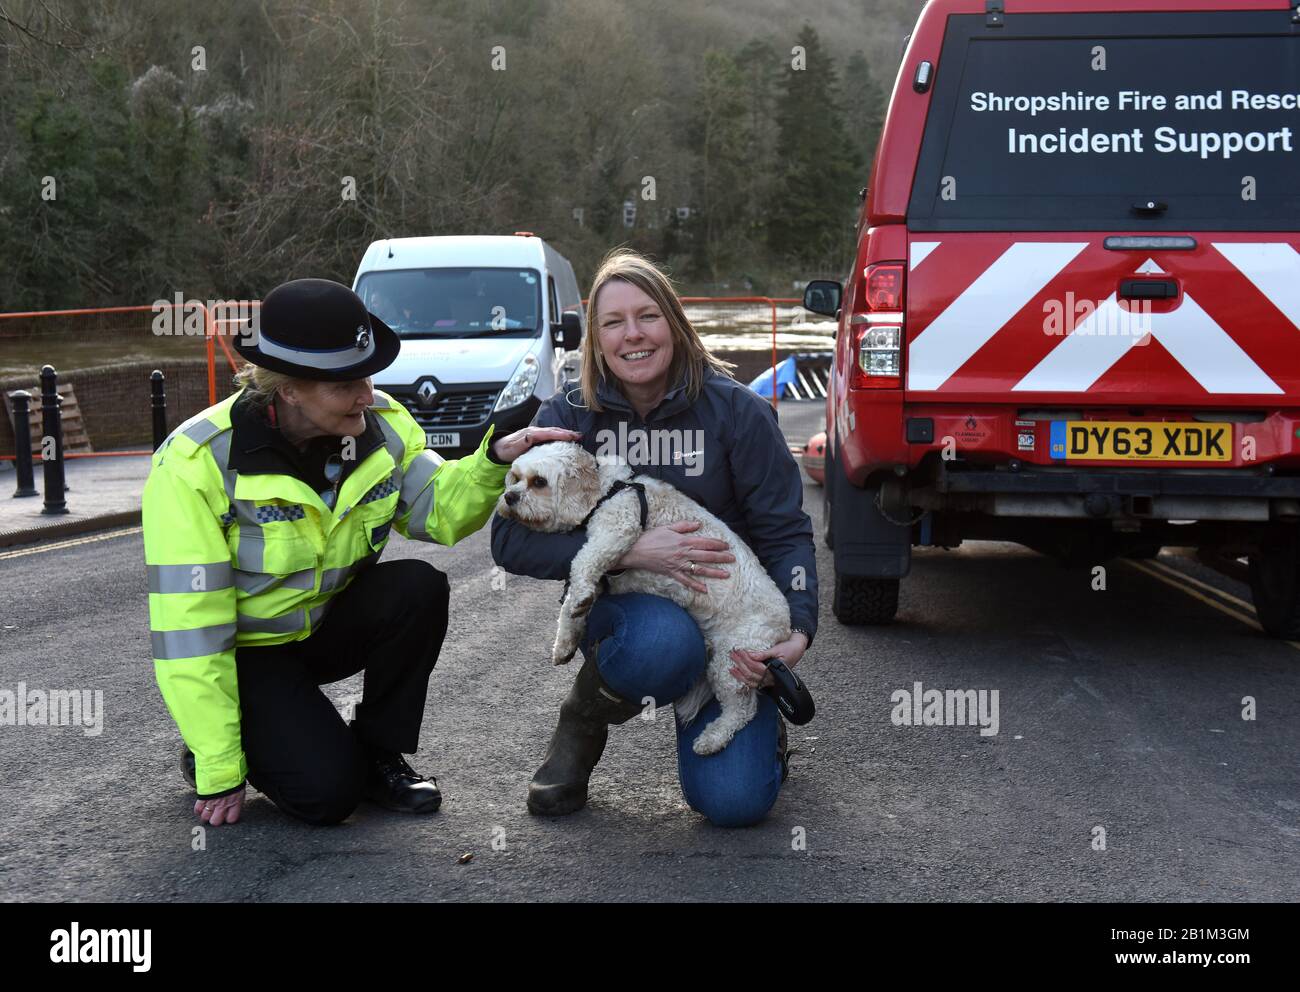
column 510, row 447
column 215, row 812
column 748, row 666
column 668, row 551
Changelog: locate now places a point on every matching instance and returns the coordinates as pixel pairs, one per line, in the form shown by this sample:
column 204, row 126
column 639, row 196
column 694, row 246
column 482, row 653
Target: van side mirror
column 569, row 334
column 823, row 296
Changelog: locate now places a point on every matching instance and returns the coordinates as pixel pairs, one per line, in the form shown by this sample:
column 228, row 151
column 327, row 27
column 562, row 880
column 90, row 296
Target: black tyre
column 1275, row 588
column 860, row 601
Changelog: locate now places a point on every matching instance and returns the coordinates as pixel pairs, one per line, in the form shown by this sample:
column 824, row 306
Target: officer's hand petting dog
column 510, row 447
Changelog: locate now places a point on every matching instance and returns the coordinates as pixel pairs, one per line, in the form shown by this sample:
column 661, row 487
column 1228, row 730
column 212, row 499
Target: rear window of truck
column 1067, row 121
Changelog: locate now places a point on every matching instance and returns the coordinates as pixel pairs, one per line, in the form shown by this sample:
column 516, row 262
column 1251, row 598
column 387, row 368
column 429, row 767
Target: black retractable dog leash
column 789, row 693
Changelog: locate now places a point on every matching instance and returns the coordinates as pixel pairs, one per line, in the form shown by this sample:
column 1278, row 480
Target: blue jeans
column 650, row 646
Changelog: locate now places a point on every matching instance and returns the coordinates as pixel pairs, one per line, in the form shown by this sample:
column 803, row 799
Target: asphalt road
column 1119, row 709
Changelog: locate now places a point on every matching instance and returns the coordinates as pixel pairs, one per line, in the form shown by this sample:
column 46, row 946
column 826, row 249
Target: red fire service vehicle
column 1073, row 319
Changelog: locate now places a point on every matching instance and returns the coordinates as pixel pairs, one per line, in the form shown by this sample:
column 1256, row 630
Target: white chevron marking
column 920, row 249
column 1189, row 334
column 1085, row 355
column 984, row 308
column 1274, row 268
column 1208, row 352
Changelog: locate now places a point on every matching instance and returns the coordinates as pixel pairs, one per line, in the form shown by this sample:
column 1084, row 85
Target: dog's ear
column 578, row 486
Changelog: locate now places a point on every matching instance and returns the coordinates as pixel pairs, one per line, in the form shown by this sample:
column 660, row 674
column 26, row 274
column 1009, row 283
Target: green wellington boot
column 560, row 785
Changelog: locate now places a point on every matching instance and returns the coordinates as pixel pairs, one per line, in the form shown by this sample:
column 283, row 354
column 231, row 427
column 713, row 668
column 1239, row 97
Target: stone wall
column 115, row 399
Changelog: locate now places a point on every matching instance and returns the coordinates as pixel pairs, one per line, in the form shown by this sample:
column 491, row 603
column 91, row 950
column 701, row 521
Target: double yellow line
column 1224, row 602
column 59, row 545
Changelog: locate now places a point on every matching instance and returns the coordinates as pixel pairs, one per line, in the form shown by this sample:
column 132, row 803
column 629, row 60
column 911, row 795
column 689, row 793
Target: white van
column 490, row 327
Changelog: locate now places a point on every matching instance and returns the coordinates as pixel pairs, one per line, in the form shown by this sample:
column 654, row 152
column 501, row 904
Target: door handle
column 1148, row 289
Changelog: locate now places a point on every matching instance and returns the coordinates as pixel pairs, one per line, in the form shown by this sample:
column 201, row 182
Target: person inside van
column 645, row 369
column 391, row 305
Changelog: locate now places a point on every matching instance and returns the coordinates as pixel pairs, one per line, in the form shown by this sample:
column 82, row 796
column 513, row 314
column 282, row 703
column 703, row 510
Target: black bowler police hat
column 318, row 329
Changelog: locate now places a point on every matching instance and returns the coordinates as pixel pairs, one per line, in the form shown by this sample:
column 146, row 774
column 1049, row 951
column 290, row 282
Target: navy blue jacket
column 727, row 453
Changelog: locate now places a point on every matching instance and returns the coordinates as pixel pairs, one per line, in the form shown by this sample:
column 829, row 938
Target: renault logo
column 426, row 393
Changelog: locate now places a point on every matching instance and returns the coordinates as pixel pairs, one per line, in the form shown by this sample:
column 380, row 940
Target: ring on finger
column 693, row 566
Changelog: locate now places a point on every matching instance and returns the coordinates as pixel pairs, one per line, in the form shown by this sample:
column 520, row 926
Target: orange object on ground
column 814, row 458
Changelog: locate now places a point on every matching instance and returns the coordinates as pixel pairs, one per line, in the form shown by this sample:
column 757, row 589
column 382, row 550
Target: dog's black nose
column 512, row 499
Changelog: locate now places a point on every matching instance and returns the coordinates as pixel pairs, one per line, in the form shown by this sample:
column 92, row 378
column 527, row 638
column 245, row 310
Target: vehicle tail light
column 877, row 322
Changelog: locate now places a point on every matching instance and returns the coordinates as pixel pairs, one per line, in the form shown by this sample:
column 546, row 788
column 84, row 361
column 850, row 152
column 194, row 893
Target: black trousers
column 390, row 622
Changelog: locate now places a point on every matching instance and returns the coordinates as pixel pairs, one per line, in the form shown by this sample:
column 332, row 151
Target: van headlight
column 521, row 384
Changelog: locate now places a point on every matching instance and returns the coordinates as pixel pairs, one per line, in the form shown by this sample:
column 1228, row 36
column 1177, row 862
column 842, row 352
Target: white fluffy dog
column 556, row 486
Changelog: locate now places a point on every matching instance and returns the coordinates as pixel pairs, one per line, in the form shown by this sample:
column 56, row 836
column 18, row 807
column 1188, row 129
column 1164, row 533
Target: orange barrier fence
column 90, row 336
column 219, row 331
column 8, row 331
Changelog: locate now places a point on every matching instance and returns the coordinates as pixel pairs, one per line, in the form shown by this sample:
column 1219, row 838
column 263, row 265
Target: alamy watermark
column 96, row 946
column 1100, row 318
column 656, row 446
column 180, row 317
column 25, row 707
column 919, row 707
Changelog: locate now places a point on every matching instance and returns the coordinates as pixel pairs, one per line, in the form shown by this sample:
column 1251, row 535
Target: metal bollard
column 23, row 445
column 52, row 428
column 158, row 391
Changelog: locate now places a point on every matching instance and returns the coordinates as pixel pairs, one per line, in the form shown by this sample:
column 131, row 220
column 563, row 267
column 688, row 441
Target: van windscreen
column 455, row 302
column 1149, row 121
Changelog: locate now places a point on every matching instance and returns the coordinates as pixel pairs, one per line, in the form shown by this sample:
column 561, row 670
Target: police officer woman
column 264, row 519
column 647, row 378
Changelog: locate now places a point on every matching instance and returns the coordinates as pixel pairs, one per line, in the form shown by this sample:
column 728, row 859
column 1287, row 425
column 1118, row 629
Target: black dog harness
column 618, row 486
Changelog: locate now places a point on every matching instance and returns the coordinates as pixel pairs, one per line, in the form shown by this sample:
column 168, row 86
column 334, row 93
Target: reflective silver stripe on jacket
column 397, row 451
column 318, row 614
column 393, row 442
column 201, row 431
column 191, row 578
column 255, row 583
column 334, row 578
column 417, row 491
column 290, row 623
column 250, row 556
column 196, row 642
column 413, row 480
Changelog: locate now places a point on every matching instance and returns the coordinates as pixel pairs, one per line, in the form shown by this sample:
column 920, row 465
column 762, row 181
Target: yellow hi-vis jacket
column 238, row 560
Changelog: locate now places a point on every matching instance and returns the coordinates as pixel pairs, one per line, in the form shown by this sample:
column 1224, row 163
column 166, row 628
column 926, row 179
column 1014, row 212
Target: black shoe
column 393, row 784
column 559, row 786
